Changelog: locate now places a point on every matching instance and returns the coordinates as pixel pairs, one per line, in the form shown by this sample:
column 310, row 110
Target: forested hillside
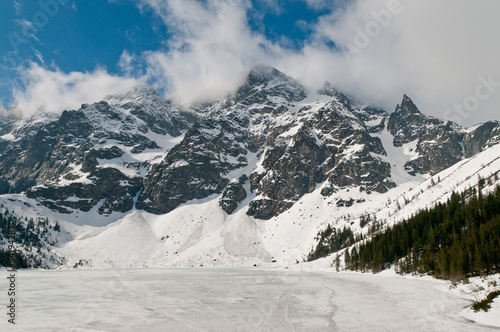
column 454, row 240
column 29, row 237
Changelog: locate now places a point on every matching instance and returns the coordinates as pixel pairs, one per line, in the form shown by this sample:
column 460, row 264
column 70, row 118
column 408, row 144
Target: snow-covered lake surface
column 231, row 300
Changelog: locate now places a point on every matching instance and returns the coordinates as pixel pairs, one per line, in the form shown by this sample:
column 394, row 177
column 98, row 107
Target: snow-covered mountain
column 95, row 156
column 135, row 180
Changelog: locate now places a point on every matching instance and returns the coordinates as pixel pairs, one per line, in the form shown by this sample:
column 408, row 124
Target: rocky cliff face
column 301, row 142
column 94, row 155
column 440, row 144
column 267, row 144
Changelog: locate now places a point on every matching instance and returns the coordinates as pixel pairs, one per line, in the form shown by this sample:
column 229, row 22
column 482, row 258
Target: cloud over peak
column 377, row 50
column 212, row 48
column 52, row 91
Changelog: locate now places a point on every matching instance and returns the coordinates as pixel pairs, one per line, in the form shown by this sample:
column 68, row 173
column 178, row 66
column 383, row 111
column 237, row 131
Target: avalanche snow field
column 230, row 300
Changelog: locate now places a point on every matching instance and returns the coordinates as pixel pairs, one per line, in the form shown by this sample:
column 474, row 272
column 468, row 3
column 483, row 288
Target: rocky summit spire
column 405, row 121
column 266, row 81
column 407, row 106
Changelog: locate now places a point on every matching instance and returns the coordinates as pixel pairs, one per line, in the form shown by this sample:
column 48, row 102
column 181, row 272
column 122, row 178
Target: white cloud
column 434, row 51
column 126, row 63
column 275, row 6
column 18, row 5
column 212, row 48
column 53, row 91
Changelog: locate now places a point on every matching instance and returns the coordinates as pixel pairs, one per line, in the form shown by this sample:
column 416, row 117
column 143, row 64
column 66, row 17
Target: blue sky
column 57, row 54
column 82, row 35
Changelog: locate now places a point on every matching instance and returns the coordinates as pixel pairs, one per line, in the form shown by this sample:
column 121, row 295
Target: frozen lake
column 230, row 300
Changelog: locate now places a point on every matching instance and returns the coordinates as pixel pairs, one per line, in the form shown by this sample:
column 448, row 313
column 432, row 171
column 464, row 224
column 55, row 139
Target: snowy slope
column 251, row 179
column 201, row 233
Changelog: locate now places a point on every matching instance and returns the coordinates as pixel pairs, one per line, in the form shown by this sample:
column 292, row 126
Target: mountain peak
column 266, row 81
column 328, row 90
column 407, row 106
column 138, row 92
column 263, row 75
column 265, row 69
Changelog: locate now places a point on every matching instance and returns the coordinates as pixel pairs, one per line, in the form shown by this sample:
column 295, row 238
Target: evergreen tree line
column 19, row 260
column 454, row 240
column 332, row 240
